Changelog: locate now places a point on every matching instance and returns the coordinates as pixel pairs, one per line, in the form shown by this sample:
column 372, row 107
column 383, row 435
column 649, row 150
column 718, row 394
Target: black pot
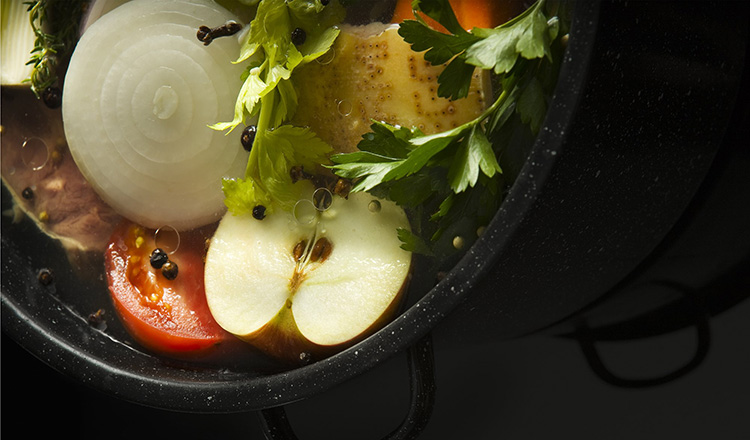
column 645, row 97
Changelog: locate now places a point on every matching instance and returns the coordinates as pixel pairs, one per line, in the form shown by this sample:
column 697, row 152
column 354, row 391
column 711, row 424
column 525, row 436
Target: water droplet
column 34, row 153
column 458, row 242
column 374, row 206
column 305, row 212
column 345, row 107
column 322, row 199
column 167, row 238
column 327, row 57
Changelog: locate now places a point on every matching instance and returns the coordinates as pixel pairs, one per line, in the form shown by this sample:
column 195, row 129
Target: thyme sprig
column 56, row 26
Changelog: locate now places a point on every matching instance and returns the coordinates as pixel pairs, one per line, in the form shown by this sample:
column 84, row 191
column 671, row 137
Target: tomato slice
column 166, row 316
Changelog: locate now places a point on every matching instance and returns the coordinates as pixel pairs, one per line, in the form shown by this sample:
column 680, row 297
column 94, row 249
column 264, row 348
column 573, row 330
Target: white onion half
column 139, row 95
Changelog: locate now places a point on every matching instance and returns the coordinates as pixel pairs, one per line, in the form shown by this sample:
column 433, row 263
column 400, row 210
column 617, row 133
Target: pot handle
column 587, row 339
column 420, row 359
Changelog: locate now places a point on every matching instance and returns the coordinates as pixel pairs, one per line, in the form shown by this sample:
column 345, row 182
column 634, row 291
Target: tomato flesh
column 166, row 316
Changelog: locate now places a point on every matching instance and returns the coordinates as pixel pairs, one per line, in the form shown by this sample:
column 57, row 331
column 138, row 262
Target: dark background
column 530, row 388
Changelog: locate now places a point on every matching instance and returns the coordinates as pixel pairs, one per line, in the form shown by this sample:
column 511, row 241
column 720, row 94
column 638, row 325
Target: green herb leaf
column 419, row 157
column 440, row 47
column 268, row 93
column 242, row 195
column 499, row 48
column 386, row 140
column 271, row 160
column 474, row 154
column 440, row 11
column 413, row 243
column 532, row 105
column 414, row 190
column 273, row 57
column 454, row 82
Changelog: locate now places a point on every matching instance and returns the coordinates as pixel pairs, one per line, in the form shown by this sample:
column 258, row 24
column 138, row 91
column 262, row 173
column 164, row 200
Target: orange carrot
column 470, row 13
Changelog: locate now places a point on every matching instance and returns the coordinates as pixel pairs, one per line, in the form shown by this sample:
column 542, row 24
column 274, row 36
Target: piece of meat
column 45, row 182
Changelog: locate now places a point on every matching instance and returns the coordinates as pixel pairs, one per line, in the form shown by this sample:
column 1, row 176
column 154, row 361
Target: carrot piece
column 470, row 13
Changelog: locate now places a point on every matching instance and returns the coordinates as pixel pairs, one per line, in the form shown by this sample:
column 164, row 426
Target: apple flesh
column 298, row 290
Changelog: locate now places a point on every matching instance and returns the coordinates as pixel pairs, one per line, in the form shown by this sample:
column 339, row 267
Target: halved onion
column 139, row 95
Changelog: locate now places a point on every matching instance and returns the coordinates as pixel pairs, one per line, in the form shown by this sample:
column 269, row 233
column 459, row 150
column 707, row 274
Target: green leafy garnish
column 268, row 178
column 268, row 93
column 55, row 24
column 456, row 174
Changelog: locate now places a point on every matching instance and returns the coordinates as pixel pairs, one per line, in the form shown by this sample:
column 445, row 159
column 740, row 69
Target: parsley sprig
column 454, row 178
column 268, row 93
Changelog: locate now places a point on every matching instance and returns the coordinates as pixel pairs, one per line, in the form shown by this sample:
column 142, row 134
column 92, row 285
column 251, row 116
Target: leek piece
column 17, row 39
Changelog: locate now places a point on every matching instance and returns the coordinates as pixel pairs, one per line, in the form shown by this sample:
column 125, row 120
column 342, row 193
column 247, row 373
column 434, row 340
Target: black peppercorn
column 248, row 137
column 324, row 2
column 259, row 212
column 158, row 258
column 169, row 270
column 27, row 193
column 52, row 97
column 45, row 277
column 97, row 320
column 299, row 36
column 305, row 358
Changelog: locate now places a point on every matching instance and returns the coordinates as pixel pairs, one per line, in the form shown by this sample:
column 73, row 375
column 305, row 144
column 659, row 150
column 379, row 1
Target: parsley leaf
column 474, row 154
column 440, row 11
column 454, row 82
column 532, row 105
column 412, row 242
column 527, row 36
column 440, row 47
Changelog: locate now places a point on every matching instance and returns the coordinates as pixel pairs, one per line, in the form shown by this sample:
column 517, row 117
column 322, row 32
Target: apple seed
column 321, row 250
column 299, row 250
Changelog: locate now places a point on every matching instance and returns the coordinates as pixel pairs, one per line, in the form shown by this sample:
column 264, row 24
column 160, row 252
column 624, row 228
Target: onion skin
column 139, row 96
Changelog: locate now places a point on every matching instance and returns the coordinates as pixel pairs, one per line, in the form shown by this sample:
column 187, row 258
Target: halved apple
column 300, row 286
